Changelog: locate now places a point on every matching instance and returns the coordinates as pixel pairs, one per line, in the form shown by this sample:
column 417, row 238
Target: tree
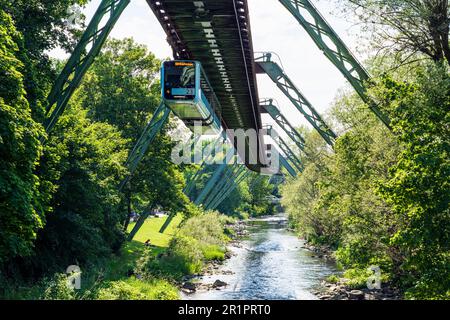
column 419, row 185
column 85, row 222
column 19, row 151
column 43, row 26
column 407, row 27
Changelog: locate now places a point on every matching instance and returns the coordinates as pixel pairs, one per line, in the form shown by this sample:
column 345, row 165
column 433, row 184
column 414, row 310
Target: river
column 270, row 265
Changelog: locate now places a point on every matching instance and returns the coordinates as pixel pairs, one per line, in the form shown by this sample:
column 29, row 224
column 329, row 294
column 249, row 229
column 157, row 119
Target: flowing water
column 270, row 265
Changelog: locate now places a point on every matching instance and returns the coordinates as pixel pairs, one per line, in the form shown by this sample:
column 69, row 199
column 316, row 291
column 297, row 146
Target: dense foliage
column 382, row 198
column 60, row 203
column 20, row 217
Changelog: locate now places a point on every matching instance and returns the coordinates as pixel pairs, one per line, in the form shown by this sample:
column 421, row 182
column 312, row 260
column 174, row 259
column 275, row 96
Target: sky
column 274, row 29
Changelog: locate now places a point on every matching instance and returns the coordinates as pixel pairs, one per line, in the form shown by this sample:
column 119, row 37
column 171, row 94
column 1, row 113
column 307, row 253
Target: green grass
column 133, row 289
column 213, row 252
column 150, row 230
column 112, row 273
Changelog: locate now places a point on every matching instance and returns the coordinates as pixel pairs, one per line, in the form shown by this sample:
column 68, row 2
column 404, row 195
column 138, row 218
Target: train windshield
column 179, row 80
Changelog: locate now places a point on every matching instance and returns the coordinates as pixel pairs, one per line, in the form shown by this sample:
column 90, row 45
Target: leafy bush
column 213, row 252
column 120, row 290
column 57, row 289
column 134, row 289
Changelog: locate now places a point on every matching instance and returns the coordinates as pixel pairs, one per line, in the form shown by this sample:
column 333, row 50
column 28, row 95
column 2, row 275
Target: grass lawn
column 150, row 230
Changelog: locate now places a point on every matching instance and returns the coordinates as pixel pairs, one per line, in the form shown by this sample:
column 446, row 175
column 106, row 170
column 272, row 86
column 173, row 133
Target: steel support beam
column 285, row 84
column 227, row 192
column 284, row 163
column 193, row 179
column 334, row 49
column 82, row 58
column 215, row 177
column 283, row 123
column 290, row 155
column 226, row 183
column 220, row 185
column 155, row 125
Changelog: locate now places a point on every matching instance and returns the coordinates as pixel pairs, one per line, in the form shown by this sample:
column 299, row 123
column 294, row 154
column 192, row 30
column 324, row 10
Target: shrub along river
column 270, row 264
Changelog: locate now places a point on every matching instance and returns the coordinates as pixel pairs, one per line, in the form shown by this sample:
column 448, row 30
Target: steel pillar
column 82, row 58
column 290, row 155
column 215, row 177
column 192, row 180
column 224, row 185
column 285, row 84
column 215, row 203
column 140, row 149
column 334, row 49
column 283, row 123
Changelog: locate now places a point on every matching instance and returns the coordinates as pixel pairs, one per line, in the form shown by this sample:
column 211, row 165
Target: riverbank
column 191, row 284
column 338, row 288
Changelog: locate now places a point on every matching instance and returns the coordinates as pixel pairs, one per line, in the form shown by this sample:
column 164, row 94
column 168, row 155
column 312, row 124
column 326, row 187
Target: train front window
column 179, row 80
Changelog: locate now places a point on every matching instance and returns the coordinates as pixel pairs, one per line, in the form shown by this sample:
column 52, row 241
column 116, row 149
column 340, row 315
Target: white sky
column 273, row 29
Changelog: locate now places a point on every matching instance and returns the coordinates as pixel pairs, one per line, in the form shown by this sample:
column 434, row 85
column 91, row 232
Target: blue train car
column 186, row 91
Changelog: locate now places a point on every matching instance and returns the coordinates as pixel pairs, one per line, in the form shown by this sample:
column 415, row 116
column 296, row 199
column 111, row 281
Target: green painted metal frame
column 283, row 123
column 338, row 53
column 203, row 166
column 215, row 177
column 215, row 203
column 226, row 182
column 285, row 84
column 227, row 174
column 290, row 155
column 155, row 125
column 82, row 58
column 191, row 183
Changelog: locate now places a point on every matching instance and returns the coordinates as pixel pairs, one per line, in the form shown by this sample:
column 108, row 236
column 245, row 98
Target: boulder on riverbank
column 218, row 284
column 341, row 291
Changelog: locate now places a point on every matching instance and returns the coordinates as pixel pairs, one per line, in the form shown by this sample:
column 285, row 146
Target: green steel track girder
column 191, row 182
column 285, row 84
column 167, row 222
column 82, row 58
column 233, row 187
column 276, row 179
column 334, row 49
column 288, row 167
column 138, row 226
column 155, row 125
column 290, row 155
column 212, row 181
column 280, row 119
column 226, row 183
column 172, row 215
column 221, row 184
column 203, row 166
column 215, row 177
